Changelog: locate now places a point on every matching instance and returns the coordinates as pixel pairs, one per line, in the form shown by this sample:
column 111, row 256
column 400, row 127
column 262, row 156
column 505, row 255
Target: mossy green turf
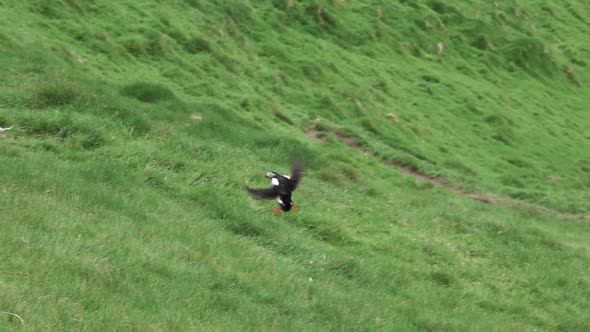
column 137, row 125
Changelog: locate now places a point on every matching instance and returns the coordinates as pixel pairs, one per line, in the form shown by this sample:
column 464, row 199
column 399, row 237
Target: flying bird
column 282, row 187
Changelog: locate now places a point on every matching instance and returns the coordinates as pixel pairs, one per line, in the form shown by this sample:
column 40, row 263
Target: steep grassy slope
column 138, row 124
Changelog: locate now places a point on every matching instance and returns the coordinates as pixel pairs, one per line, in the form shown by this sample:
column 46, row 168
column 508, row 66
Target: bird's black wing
column 296, row 173
column 270, row 193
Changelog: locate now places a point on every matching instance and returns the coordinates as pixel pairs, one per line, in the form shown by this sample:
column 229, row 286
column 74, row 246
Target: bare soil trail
column 317, row 136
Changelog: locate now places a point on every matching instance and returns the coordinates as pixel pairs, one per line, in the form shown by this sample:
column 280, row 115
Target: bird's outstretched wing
column 270, row 193
column 296, row 173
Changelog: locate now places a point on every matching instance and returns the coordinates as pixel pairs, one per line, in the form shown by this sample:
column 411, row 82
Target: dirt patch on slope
column 350, row 142
column 437, row 181
column 524, row 207
column 440, row 182
column 313, row 135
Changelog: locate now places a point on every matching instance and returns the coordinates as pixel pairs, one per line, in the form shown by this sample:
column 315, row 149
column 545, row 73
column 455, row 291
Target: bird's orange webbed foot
column 294, row 207
column 277, row 211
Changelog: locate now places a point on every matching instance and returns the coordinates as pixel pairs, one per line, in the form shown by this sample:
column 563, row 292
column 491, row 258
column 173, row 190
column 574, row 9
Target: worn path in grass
column 316, row 136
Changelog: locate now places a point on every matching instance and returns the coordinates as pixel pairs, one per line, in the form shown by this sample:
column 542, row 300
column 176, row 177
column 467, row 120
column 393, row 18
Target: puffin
column 282, row 187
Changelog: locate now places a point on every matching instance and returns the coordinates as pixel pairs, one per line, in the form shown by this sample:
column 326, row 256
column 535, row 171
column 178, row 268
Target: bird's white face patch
column 275, row 181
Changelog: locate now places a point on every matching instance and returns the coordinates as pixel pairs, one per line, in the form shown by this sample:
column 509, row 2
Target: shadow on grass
column 147, row 92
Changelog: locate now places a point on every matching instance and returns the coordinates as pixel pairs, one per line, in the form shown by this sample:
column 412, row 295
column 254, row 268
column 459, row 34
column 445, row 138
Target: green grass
column 137, row 125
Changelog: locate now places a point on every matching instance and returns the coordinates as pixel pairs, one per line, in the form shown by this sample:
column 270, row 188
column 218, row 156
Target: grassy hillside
column 136, row 126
